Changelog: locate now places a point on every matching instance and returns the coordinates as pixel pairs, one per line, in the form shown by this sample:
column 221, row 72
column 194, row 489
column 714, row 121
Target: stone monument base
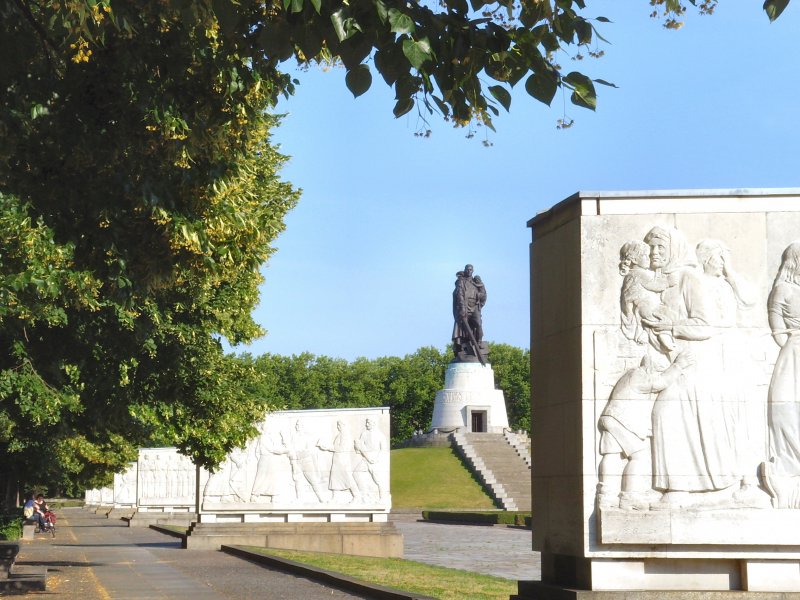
column 469, row 401
column 145, row 519
column 359, row 539
column 536, row 590
column 118, row 512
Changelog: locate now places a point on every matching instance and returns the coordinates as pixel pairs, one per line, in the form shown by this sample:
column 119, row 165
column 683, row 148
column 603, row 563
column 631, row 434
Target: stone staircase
column 502, row 463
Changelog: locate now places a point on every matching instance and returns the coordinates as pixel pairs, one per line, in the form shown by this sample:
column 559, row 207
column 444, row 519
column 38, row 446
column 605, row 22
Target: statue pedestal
column 469, row 401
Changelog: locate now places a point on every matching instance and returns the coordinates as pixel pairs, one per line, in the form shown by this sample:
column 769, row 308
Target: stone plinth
column 145, row 519
column 664, row 338
column 469, row 401
column 359, row 539
column 536, row 590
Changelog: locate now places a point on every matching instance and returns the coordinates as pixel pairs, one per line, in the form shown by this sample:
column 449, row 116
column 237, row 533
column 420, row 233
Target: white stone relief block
column 165, row 478
column 125, row 486
column 323, row 460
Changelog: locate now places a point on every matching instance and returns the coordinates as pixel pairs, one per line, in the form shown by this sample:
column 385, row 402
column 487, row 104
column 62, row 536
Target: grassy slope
column 434, row 478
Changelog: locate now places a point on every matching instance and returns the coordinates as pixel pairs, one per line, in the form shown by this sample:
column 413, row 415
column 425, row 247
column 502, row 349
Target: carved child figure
column 639, row 295
column 625, row 470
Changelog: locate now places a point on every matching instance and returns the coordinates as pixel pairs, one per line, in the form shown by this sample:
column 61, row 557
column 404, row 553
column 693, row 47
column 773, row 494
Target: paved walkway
column 500, row 551
column 95, row 558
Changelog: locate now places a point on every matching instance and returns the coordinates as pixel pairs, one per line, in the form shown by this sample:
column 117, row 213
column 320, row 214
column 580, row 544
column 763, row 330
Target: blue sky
column 367, row 263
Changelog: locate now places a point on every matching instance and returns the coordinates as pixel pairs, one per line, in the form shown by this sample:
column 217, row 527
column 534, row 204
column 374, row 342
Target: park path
column 93, row 558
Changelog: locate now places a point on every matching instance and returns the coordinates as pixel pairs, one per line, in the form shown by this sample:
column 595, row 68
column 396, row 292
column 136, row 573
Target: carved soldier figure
column 469, row 296
column 372, row 446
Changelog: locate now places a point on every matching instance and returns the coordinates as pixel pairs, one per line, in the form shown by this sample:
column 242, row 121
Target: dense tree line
column 407, row 385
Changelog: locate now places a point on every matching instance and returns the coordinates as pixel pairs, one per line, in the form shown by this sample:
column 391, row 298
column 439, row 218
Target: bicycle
column 49, row 519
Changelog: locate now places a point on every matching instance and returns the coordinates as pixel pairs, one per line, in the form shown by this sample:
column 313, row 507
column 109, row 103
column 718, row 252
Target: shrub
column 11, row 527
column 521, row 519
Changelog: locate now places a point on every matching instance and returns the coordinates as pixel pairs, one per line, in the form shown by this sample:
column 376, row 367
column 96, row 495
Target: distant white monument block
column 331, row 463
column 166, row 481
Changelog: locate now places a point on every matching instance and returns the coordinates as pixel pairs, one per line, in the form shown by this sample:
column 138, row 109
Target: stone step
column 501, row 463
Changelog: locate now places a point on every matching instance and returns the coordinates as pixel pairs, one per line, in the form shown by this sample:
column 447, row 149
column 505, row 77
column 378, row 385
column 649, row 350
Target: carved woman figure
column 218, row 486
column 343, row 448
column 782, row 472
column 729, row 295
column 693, row 450
column 266, row 483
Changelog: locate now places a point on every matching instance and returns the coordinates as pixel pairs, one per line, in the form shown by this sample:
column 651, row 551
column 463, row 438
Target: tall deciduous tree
column 461, row 58
column 140, row 198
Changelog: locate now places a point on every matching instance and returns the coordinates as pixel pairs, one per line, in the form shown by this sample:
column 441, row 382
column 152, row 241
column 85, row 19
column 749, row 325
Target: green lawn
column 439, row 582
column 434, row 478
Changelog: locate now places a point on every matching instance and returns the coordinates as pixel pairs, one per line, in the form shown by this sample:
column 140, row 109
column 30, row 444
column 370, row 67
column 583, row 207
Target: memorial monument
column 165, row 488
column 469, row 400
column 312, row 480
column 665, row 377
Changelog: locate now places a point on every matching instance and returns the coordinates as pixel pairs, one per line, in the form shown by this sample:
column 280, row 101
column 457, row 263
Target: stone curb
column 168, row 531
column 342, row 582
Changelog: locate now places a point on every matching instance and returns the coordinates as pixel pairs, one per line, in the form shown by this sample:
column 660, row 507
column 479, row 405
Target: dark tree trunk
column 9, row 483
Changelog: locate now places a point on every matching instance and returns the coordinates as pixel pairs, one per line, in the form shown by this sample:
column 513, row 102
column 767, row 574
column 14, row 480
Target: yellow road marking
column 101, row 591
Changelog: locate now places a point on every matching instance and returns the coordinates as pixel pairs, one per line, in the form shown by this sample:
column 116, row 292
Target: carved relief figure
column 343, row 448
column 148, row 477
column 729, row 294
column 238, row 475
column 301, row 450
column 469, row 297
column 218, row 486
column 159, row 477
column 372, row 446
column 266, row 485
column 170, row 473
column 693, row 450
column 639, row 294
column 782, row 472
column 229, row 483
column 626, row 428
column 127, row 488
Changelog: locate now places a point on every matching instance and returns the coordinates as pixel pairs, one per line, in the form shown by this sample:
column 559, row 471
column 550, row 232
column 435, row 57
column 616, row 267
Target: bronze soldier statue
column 469, row 296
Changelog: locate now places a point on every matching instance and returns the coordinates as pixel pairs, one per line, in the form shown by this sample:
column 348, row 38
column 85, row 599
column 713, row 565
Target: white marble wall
column 106, row 496
column 125, row 486
column 305, row 462
column 655, row 433
column 166, row 480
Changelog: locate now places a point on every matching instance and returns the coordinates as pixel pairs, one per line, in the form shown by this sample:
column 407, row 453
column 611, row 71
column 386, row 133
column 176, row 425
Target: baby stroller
column 49, row 522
